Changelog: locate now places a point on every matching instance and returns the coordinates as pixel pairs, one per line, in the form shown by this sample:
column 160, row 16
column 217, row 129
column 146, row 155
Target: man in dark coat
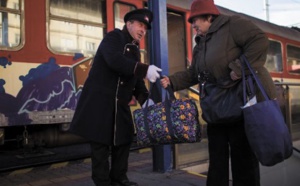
column 103, row 115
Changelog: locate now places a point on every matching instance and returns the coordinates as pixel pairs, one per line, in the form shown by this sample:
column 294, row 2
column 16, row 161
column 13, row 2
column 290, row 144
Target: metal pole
column 162, row 156
column 266, row 8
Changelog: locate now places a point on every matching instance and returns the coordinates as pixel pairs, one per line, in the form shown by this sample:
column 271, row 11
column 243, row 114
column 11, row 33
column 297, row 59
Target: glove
column 150, row 102
column 152, row 73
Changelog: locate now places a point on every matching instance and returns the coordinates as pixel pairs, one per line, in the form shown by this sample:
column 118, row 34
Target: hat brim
column 139, row 15
column 143, row 21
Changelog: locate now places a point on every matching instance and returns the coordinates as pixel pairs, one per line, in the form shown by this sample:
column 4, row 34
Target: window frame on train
column 274, row 61
column 293, row 56
column 12, row 25
column 88, row 34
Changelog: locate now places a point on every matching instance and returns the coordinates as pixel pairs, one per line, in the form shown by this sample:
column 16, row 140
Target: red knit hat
column 202, row 7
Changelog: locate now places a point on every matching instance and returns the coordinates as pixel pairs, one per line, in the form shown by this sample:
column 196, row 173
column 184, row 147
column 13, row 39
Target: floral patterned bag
column 169, row 122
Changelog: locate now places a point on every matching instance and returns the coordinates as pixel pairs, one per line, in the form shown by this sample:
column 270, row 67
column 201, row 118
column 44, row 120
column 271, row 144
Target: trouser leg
column 244, row 164
column 100, row 164
column 119, row 162
column 218, row 171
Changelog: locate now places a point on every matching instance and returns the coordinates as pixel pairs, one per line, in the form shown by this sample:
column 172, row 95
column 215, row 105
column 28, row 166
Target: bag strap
column 168, row 103
column 169, row 95
column 145, row 111
column 249, row 83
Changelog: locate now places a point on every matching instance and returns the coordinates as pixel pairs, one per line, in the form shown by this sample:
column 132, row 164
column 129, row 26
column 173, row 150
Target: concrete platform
column 78, row 173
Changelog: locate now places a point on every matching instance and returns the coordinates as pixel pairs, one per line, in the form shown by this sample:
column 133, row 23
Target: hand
column 150, row 102
column 165, row 81
column 234, row 76
column 152, row 73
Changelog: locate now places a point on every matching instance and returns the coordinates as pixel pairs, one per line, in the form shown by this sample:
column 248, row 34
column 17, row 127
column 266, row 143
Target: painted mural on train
column 48, row 87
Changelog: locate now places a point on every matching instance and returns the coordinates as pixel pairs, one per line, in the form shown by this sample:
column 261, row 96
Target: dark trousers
column 103, row 172
column 230, row 140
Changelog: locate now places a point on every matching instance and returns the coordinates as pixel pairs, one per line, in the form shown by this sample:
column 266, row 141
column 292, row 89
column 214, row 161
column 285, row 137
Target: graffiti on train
column 48, row 87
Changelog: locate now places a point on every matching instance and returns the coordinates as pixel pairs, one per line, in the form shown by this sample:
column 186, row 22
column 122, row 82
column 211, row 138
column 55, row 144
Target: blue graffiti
column 4, row 61
column 47, row 87
column 55, row 98
column 77, row 56
column 2, row 83
column 40, row 72
column 56, row 91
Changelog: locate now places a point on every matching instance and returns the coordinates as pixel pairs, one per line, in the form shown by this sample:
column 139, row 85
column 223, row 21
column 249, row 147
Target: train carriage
column 47, row 47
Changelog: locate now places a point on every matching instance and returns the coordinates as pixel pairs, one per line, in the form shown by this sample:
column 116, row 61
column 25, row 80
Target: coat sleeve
column 251, row 39
column 254, row 44
column 184, row 79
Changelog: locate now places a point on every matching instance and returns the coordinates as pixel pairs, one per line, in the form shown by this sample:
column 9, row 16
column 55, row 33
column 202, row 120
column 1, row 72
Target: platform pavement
column 79, row 174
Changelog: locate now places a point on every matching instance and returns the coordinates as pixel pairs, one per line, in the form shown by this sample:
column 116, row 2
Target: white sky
column 281, row 12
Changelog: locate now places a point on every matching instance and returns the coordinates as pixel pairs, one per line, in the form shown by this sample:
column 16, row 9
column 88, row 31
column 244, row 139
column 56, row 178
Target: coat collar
column 129, row 37
column 216, row 25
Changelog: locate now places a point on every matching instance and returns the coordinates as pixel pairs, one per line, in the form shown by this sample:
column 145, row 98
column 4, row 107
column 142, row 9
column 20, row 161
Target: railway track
column 23, row 158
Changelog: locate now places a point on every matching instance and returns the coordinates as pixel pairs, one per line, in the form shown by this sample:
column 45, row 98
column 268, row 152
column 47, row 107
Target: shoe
column 123, row 183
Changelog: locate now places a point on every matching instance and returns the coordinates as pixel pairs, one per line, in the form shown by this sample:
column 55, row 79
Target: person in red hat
column 220, row 41
column 103, row 115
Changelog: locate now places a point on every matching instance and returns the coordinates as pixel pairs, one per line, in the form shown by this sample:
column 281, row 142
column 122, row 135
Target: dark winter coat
column 228, row 37
column 102, row 114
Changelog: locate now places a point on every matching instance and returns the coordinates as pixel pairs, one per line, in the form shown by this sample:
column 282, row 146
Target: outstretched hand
column 165, row 81
column 152, row 73
column 234, row 76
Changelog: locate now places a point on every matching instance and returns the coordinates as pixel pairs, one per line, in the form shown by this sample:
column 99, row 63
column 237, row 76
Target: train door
column 176, row 43
column 177, row 48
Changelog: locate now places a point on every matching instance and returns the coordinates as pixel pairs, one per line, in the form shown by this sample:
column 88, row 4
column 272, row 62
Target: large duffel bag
column 169, row 122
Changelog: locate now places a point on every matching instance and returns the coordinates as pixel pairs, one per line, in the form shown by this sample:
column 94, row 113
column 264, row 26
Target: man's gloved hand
column 150, row 102
column 152, row 73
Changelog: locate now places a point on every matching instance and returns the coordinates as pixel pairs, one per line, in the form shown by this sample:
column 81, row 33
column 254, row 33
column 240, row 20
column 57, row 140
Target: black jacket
column 102, row 112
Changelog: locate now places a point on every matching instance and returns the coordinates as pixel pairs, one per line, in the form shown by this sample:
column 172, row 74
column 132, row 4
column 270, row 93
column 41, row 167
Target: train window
column 293, row 59
column 10, row 23
column 119, row 12
column 76, row 26
column 274, row 57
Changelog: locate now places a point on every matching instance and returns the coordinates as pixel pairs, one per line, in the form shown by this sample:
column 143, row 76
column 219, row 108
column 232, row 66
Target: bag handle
column 250, row 83
column 169, row 95
column 168, row 102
